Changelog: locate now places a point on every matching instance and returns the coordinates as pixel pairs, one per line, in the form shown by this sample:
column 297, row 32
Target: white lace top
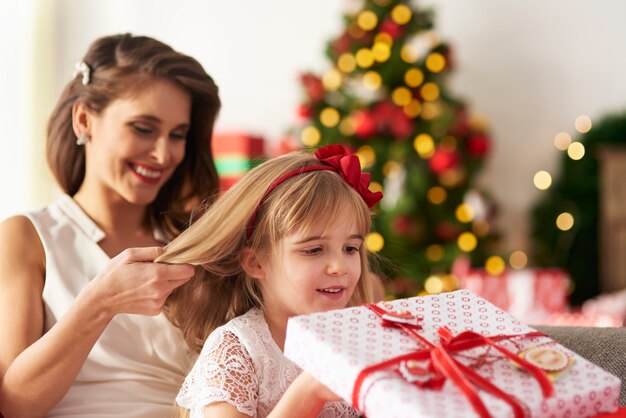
column 241, row 364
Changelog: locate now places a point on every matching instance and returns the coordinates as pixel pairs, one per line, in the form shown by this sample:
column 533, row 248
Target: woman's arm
column 36, row 369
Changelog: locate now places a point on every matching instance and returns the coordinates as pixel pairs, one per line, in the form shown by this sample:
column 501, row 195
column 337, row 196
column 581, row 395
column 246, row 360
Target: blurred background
column 528, row 79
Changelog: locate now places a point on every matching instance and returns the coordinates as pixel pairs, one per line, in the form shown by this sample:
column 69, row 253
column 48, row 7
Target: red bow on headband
column 349, row 168
column 335, row 158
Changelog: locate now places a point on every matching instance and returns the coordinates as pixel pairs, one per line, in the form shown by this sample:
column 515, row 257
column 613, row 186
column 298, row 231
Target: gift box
column 530, row 294
column 447, row 355
column 235, row 154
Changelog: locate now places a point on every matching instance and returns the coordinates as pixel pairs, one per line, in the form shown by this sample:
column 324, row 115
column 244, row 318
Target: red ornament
column 391, row 119
column 305, row 111
column 443, row 160
column 390, row 27
column 402, row 225
column 342, row 44
column 313, row 86
column 478, row 145
column 365, row 125
column 446, row 231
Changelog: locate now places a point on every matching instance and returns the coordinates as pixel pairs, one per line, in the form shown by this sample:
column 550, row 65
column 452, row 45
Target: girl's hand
column 318, row 390
column 132, row 283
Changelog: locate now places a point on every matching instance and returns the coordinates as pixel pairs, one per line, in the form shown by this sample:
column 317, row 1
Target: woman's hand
column 132, row 283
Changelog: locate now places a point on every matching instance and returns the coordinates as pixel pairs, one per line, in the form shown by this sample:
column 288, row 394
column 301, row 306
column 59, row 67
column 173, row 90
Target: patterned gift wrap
column 449, row 368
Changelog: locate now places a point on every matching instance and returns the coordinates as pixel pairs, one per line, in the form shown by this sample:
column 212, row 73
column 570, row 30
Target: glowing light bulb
column 364, row 58
column 464, row 213
column 372, row 80
column 430, row 92
column 366, row 155
column 401, row 96
column 413, row 77
column 346, row 62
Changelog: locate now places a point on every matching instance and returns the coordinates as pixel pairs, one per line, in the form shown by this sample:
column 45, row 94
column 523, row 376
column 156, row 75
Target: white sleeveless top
column 137, row 366
column 241, row 364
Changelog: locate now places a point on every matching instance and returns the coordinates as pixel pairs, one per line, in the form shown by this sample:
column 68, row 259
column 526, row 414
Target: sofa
column 605, row 347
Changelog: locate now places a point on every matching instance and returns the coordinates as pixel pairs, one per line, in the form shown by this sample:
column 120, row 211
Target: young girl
column 286, row 240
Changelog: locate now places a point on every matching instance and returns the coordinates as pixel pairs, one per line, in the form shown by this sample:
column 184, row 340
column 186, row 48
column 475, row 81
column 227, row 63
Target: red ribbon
column 335, row 158
column 443, row 365
column 349, row 168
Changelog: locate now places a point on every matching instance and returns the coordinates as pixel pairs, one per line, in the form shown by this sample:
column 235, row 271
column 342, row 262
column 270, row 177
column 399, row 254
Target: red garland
column 445, row 366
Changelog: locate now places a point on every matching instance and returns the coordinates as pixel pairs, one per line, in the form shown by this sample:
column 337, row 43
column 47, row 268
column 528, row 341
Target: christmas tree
column 566, row 219
column 384, row 95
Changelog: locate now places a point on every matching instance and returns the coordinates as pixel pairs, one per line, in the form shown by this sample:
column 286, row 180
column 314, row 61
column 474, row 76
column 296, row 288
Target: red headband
column 335, row 158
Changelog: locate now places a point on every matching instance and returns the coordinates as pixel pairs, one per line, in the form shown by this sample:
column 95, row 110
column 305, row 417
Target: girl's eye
column 312, row 251
column 352, row 249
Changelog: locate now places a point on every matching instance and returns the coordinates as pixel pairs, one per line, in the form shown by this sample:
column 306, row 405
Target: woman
column 80, row 308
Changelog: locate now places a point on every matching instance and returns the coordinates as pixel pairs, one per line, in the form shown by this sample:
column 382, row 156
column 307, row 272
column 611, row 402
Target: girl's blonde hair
column 221, row 290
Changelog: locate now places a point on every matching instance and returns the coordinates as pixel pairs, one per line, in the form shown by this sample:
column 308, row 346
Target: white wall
column 529, row 67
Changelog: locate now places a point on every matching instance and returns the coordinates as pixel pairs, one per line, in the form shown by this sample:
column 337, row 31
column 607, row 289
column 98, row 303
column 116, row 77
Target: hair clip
column 83, row 68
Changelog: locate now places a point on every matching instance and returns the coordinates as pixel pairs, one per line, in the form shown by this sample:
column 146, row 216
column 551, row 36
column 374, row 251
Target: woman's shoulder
column 19, row 240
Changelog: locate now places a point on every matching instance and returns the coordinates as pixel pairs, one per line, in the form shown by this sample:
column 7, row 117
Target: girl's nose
column 336, row 265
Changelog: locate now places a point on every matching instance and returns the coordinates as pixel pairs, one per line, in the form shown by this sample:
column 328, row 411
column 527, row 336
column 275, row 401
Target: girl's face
column 313, row 272
column 137, row 142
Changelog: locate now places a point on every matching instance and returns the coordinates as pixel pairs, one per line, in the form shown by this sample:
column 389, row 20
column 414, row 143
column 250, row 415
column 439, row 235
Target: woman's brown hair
column 121, row 65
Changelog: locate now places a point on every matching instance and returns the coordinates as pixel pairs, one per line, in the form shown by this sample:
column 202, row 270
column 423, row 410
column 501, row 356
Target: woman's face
column 137, row 142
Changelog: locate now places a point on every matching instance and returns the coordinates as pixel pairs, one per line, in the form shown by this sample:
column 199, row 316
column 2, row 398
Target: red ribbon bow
column 349, row 168
column 443, row 365
column 335, row 158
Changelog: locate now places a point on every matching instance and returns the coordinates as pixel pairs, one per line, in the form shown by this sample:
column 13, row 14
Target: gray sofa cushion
column 605, row 347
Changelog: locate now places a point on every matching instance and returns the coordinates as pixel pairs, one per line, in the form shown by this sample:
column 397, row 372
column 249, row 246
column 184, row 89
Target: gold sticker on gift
column 549, row 359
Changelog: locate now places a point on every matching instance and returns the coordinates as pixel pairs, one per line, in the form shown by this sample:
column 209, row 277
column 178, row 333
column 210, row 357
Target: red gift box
column 235, row 154
column 461, row 358
column 531, row 294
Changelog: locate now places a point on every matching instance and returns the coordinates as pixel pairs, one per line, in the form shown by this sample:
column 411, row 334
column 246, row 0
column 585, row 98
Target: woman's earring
column 81, row 140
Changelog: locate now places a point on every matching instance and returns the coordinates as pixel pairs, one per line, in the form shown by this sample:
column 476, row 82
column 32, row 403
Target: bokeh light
column 435, row 62
column 565, row 221
column 367, row 20
column 433, row 285
column 583, row 124
column 464, row 213
column 401, row 14
column 413, row 77
column 367, row 156
column 430, row 92
column 374, row 242
column 437, row 195
column 495, row 265
column 346, row 62
column 329, row 117
column 424, row 145
column 518, row 259
column 542, row 180
column 467, row 242
column 310, row 136
column 435, row 252
column 576, row 151
column 372, row 80
column 562, row 140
